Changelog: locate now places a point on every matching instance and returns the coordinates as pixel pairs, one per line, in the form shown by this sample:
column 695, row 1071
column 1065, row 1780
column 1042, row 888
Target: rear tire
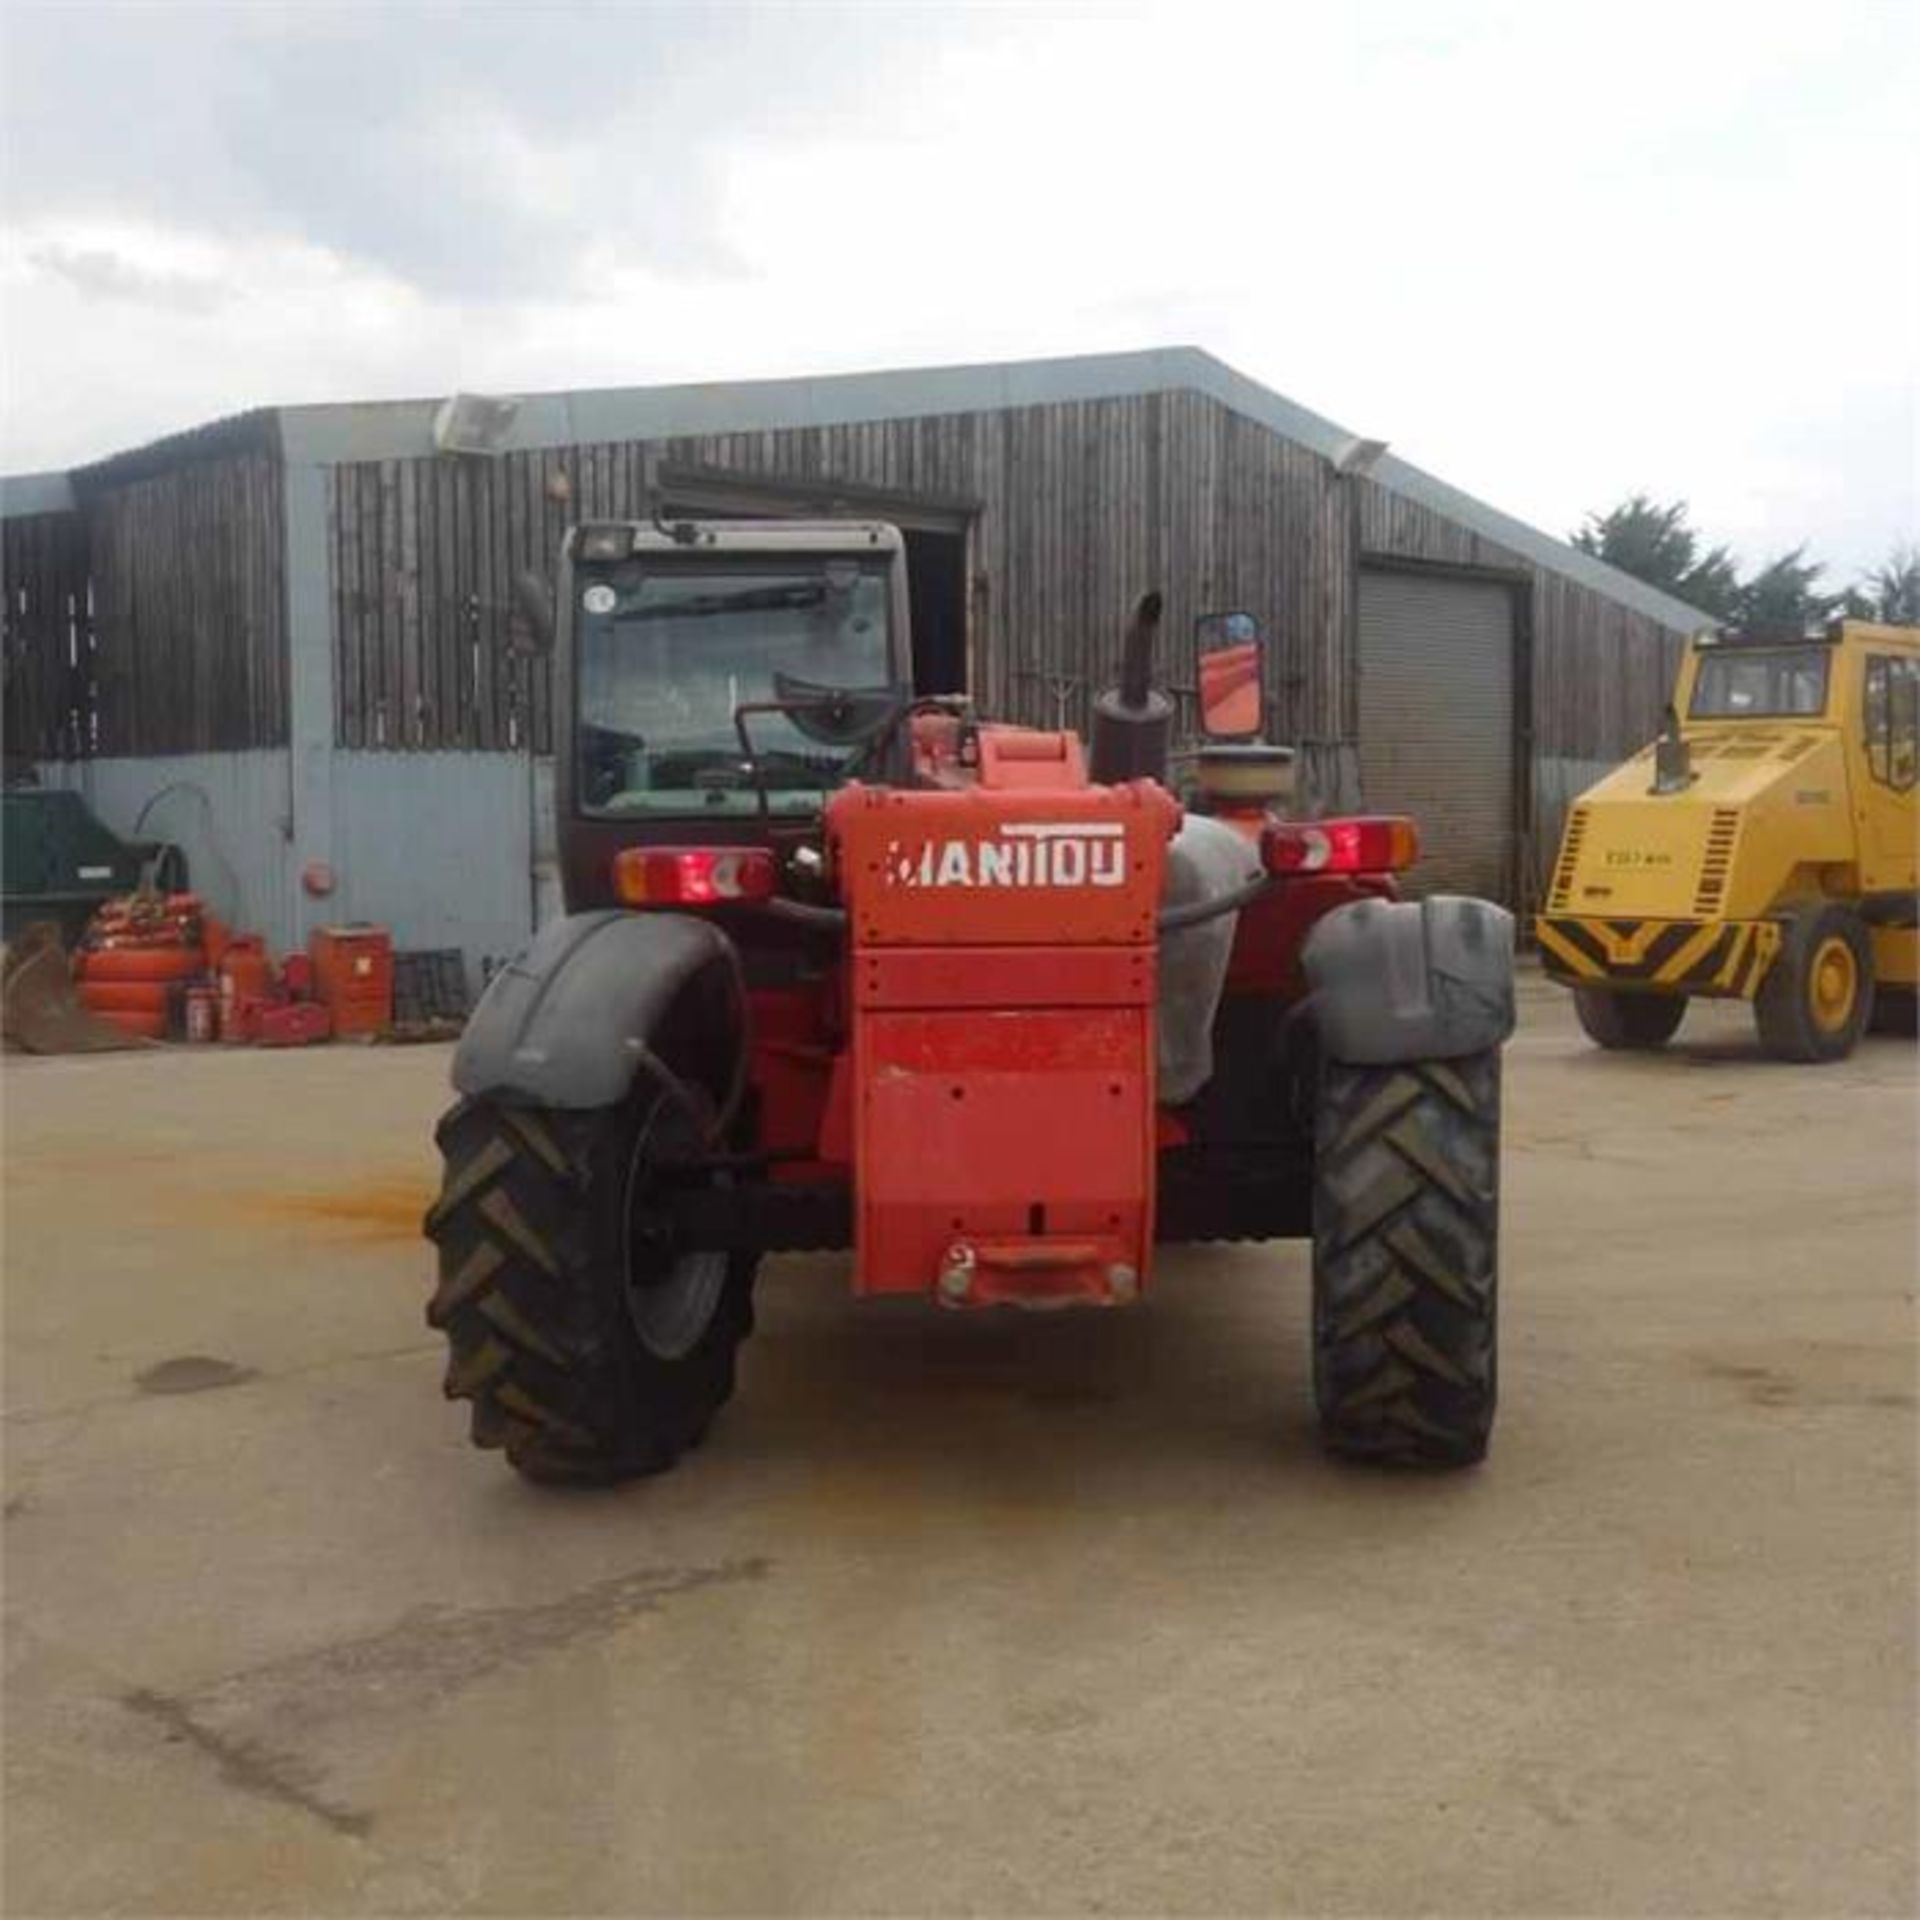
column 590, row 1352
column 1406, row 1219
column 1627, row 1022
column 1817, row 997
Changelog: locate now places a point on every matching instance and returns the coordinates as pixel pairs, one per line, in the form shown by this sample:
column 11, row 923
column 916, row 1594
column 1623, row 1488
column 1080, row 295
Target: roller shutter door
column 1436, row 723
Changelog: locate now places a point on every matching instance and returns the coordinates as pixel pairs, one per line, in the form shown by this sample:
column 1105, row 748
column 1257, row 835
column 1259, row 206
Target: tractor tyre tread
column 531, row 1298
column 1405, row 1260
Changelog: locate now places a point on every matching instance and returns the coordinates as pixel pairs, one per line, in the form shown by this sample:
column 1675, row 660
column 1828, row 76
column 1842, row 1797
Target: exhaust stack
column 1133, row 722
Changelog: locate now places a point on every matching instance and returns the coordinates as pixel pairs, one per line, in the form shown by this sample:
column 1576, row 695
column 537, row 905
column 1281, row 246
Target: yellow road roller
column 1763, row 848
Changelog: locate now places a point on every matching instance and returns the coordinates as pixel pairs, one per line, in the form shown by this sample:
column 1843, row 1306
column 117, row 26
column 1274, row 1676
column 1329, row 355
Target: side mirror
column 530, row 628
column 1228, row 647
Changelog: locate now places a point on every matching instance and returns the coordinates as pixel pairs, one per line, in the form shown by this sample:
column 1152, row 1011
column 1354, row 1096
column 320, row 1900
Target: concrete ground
column 966, row 1615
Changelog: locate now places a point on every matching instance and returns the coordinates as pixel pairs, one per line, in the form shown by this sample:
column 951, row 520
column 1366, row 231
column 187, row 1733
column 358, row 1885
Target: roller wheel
column 1817, row 997
column 1406, row 1215
column 588, row 1349
column 1628, row 1021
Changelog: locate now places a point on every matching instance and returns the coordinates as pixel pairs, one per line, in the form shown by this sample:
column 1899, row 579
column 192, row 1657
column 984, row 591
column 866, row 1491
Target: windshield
column 667, row 654
column 1773, row 683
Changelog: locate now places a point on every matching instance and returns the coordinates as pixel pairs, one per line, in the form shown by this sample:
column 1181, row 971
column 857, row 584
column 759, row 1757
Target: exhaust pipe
column 1133, row 722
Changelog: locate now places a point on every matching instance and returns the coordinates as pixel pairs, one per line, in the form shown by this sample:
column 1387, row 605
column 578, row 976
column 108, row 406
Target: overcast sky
column 1551, row 251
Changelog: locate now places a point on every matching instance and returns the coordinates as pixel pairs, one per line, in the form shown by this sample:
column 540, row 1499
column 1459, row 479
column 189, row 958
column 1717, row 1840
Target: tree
column 1780, row 598
column 1656, row 544
column 1891, row 593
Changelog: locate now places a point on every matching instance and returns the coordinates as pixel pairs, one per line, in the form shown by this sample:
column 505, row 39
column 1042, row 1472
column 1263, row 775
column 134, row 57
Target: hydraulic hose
column 803, row 913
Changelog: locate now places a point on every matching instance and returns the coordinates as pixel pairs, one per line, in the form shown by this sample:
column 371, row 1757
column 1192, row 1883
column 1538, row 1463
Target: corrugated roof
column 403, row 429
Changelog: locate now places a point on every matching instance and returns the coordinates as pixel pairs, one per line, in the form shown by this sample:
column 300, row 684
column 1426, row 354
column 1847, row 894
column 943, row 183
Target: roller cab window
column 1762, row 683
column 1891, row 719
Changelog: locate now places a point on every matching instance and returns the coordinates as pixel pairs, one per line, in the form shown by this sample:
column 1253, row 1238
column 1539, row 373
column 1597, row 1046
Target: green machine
column 58, row 863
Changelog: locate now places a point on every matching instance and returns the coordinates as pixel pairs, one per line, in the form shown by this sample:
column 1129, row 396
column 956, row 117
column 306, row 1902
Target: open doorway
column 935, row 531
column 937, row 606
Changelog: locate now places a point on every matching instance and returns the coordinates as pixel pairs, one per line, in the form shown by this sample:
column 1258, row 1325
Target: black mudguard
column 1405, row 980
column 568, row 1022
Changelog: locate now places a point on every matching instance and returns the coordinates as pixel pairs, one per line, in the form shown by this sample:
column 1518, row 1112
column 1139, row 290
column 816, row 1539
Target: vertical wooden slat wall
column 1083, row 506
column 152, row 619
column 46, row 637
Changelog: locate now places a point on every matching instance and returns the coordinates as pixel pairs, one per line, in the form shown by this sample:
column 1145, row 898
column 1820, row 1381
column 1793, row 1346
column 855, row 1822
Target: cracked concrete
column 962, row 1614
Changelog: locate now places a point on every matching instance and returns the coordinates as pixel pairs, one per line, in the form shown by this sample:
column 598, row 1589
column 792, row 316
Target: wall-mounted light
column 1354, row 458
column 472, row 423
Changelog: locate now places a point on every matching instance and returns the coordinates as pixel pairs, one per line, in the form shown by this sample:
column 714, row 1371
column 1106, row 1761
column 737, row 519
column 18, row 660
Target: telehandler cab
column 1763, row 849
column 847, row 968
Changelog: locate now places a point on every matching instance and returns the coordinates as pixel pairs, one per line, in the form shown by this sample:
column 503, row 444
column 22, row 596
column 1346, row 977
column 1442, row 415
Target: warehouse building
column 281, row 640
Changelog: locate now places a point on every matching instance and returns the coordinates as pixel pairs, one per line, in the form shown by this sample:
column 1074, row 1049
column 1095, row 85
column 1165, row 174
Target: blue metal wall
column 438, row 847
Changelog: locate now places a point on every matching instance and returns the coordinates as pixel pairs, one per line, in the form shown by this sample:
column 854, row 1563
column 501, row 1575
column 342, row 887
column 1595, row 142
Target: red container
column 246, row 975
column 298, row 1025
column 353, row 977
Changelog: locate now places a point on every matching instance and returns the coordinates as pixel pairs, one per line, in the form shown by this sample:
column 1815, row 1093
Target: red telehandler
column 847, row 968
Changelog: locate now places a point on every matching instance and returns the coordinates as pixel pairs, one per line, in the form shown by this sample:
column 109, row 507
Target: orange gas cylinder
column 246, row 976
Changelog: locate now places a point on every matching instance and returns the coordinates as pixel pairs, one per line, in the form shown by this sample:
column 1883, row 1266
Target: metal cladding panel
column 1436, row 724
column 439, row 848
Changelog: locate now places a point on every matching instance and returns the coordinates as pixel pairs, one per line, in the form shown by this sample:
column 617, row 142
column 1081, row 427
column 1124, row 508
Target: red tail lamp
column 1369, row 843
column 692, row 876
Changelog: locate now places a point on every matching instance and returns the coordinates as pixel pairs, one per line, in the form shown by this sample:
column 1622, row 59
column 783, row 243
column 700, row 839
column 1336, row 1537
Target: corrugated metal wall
column 440, row 848
column 226, row 811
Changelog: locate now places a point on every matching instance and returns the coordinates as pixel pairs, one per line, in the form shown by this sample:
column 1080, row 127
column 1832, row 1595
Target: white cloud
column 1552, row 252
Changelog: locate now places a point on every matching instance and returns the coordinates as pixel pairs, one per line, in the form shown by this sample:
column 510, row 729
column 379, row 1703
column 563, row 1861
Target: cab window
column 1892, row 719
column 1756, row 683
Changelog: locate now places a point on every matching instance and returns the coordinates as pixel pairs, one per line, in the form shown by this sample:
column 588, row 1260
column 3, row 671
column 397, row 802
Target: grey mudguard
column 1411, row 979
column 563, row 1025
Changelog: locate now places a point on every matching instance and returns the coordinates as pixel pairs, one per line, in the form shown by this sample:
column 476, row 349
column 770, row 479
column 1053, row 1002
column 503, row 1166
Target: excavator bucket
column 39, row 1012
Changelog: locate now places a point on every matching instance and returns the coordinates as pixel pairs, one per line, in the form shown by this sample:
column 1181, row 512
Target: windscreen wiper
column 796, row 598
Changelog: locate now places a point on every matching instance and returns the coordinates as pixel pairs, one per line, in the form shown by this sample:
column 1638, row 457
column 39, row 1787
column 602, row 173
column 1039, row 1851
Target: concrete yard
column 951, row 1614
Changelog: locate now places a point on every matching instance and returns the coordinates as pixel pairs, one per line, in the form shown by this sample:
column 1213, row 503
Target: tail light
column 1371, row 843
column 692, row 876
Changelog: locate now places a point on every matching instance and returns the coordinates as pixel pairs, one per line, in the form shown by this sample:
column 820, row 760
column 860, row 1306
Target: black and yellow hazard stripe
column 1719, row 957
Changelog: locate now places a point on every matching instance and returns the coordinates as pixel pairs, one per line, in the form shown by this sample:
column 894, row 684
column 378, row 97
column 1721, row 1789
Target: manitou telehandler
column 1763, row 849
column 847, row 968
